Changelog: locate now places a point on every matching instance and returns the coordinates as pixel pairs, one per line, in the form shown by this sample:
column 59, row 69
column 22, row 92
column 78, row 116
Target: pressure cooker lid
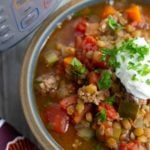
column 22, row 18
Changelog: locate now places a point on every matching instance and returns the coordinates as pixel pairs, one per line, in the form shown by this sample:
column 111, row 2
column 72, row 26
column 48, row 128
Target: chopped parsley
column 101, row 116
column 134, row 77
column 133, row 66
column 144, row 70
column 127, row 46
column 123, row 58
column 112, row 23
column 136, row 54
column 148, row 81
column 110, row 100
column 78, row 68
column 132, row 48
column 111, row 55
column 105, row 82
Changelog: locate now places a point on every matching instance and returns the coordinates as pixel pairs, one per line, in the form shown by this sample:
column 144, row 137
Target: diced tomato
column 93, row 77
column 110, row 111
column 54, row 116
column 68, row 101
column 101, row 64
column 89, row 44
column 129, row 146
column 81, row 27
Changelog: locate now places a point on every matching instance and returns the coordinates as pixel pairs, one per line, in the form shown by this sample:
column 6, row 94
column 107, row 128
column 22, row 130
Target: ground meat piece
column 93, row 95
column 48, row 83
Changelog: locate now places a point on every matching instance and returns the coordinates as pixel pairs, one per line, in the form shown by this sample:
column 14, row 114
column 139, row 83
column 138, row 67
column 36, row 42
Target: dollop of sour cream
column 134, row 72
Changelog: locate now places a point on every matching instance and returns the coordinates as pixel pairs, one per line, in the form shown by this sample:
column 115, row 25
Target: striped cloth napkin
column 10, row 139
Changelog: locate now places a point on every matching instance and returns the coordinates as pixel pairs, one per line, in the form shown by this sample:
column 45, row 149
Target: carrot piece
column 134, row 13
column 108, row 10
column 68, row 60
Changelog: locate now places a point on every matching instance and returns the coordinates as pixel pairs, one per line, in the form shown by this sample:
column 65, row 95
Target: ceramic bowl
column 28, row 70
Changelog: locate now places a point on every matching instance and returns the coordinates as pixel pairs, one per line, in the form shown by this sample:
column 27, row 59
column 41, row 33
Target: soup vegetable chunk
column 92, row 82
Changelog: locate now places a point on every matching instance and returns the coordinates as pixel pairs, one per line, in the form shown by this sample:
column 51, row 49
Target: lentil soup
column 92, row 79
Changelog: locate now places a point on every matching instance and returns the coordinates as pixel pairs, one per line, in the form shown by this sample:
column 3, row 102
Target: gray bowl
column 28, row 70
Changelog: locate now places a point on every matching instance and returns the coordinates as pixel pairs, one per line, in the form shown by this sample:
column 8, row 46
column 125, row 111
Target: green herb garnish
column 110, row 100
column 144, row 70
column 112, row 23
column 134, row 78
column 123, row 58
column 101, row 116
column 78, row 68
column 110, row 54
column 133, row 66
column 105, row 81
column 132, row 49
column 148, row 81
column 113, row 62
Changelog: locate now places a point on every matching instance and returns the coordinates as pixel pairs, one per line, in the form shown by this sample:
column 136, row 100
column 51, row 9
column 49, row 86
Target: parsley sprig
column 132, row 48
column 101, row 116
column 78, row 69
column 113, row 24
column 144, row 70
column 148, row 81
column 105, row 82
column 110, row 100
column 110, row 54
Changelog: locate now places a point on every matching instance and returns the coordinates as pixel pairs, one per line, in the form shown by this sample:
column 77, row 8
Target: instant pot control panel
column 19, row 17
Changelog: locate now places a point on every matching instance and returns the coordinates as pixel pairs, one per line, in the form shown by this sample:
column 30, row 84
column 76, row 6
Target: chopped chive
column 123, row 58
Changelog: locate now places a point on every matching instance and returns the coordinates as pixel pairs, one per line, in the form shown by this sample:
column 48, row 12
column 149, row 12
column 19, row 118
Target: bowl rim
column 31, row 117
